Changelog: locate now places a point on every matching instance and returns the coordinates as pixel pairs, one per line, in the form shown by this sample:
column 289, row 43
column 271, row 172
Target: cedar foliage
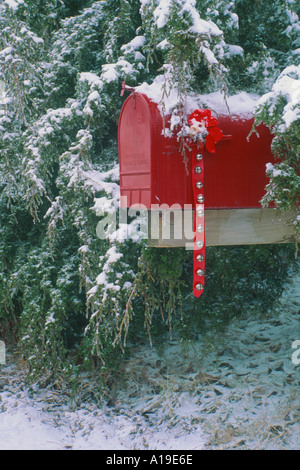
column 64, row 292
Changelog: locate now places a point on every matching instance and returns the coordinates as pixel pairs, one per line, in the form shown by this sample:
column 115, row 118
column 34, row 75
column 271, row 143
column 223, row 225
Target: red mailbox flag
column 204, row 130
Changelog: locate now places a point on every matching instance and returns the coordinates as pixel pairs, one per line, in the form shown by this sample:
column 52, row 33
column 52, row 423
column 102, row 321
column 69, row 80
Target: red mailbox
column 225, row 197
column 152, row 170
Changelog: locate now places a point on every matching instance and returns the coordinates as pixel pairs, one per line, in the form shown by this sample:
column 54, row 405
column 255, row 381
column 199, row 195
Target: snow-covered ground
column 243, row 394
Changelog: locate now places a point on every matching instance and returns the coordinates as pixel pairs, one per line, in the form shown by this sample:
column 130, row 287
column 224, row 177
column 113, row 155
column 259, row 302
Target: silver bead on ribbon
column 200, row 212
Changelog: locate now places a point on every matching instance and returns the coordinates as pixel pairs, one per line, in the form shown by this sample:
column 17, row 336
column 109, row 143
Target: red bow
column 214, row 132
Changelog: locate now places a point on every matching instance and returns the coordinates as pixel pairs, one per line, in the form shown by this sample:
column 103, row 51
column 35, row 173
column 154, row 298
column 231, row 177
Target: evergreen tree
column 62, row 64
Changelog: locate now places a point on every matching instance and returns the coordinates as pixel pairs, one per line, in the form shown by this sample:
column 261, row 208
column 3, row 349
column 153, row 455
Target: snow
column 50, row 319
column 241, row 394
column 209, row 55
column 102, row 279
column 136, row 43
column 83, row 249
column 234, row 49
column 162, row 12
column 164, row 44
column 13, row 4
column 7, row 50
column 89, row 77
column 288, row 86
column 201, row 27
column 109, row 73
column 96, row 99
column 293, row 17
column 241, row 104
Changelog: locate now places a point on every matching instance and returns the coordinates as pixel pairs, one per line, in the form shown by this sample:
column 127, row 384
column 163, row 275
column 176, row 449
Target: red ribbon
column 199, row 221
column 214, row 134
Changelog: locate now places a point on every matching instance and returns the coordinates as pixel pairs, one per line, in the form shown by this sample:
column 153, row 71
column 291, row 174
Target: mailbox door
column 137, row 144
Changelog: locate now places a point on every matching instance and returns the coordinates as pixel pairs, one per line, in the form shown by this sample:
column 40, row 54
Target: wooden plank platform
column 222, row 227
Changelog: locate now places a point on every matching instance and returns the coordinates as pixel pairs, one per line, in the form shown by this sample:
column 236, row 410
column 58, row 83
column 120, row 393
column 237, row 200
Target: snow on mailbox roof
column 241, row 104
